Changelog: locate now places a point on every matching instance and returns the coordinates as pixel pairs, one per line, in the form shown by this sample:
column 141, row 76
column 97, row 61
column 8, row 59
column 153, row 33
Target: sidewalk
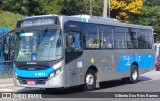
column 6, row 81
column 6, row 85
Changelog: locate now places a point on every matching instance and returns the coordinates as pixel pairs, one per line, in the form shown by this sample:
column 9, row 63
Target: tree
column 74, row 7
column 97, row 8
column 64, row 7
column 16, row 6
column 33, row 7
column 1, row 5
column 9, row 19
column 124, row 9
column 52, row 6
column 150, row 16
column 152, row 3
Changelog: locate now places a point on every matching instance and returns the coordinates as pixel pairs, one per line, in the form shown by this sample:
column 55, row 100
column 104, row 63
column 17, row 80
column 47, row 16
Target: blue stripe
column 144, row 61
column 33, row 73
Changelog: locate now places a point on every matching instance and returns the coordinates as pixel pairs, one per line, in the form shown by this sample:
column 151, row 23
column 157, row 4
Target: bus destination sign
column 38, row 21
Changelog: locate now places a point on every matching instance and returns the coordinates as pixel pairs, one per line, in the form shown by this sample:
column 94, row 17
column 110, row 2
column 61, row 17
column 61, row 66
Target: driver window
column 74, row 42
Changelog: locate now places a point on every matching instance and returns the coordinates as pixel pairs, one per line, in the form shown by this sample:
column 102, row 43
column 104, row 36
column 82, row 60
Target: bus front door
column 73, row 59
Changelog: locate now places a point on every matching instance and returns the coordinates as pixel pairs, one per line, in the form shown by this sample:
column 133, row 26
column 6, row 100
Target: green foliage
column 150, row 15
column 152, row 3
column 71, row 7
column 24, row 7
column 8, row 19
column 64, row 7
column 51, row 6
column 41, row 7
column 33, row 7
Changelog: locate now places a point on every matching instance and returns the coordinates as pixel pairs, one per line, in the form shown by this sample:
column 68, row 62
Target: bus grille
column 33, row 68
column 38, row 81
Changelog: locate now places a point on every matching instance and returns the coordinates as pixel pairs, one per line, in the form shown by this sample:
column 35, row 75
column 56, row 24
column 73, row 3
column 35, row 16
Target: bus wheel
column 134, row 75
column 90, row 80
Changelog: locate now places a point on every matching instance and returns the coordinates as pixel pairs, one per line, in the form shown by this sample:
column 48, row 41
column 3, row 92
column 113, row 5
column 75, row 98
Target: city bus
column 56, row 51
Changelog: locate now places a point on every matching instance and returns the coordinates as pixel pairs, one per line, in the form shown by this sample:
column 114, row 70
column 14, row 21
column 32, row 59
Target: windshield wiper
column 43, row 34
column 45, row 30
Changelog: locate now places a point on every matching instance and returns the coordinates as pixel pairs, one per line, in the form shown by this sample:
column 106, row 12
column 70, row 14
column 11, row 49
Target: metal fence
column 6, row 69
column 6, row 55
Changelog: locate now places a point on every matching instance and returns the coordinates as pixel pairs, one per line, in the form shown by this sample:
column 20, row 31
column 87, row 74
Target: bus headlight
column 55, row 73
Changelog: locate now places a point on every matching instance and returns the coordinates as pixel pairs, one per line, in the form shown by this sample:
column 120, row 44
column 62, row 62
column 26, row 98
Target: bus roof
column 93, row 19
column 105, row 21
column 38, row 16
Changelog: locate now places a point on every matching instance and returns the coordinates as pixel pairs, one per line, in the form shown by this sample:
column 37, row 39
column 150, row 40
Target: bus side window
column 74, row 42
column 129, row 44
column 78, row 45
column 106, row 37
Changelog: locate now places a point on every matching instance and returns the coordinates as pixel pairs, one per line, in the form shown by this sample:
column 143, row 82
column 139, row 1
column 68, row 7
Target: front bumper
column 55, row 82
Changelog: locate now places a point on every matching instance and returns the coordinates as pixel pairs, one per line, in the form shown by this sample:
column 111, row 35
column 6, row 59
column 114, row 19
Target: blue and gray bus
column 53, row 51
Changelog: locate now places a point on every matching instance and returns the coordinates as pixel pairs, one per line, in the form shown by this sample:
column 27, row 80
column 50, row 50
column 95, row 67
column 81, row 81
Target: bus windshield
column 41, row 45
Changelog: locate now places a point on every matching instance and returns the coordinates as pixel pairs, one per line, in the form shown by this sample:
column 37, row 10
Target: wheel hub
column 89, row 79
column 134, row 75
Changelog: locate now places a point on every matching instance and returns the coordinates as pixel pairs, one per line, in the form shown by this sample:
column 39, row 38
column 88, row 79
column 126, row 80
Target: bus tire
column 134, row 74
column 90, row 80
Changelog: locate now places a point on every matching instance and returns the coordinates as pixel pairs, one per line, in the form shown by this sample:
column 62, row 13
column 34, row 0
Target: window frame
column 81, row 41
column 87, row 32
column 83, row 28
column 105, row 33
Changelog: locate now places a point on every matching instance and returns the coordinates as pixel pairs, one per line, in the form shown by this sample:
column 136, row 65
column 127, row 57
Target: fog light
column 51, row 75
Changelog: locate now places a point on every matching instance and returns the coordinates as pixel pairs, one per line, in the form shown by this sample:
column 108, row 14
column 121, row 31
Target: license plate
column 31, row 82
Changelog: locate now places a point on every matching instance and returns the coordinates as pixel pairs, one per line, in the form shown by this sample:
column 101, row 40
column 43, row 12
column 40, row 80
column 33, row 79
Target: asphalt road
column 148, row 82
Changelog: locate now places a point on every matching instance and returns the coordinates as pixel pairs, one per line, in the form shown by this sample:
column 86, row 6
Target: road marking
column 7, row 90
column 6, row 85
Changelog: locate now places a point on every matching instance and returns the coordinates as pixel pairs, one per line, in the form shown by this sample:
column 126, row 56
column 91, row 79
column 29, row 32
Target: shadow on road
column 77, row 89
column 112, row 83
column 144, row 78
column 56, row 91
column 115, row 83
